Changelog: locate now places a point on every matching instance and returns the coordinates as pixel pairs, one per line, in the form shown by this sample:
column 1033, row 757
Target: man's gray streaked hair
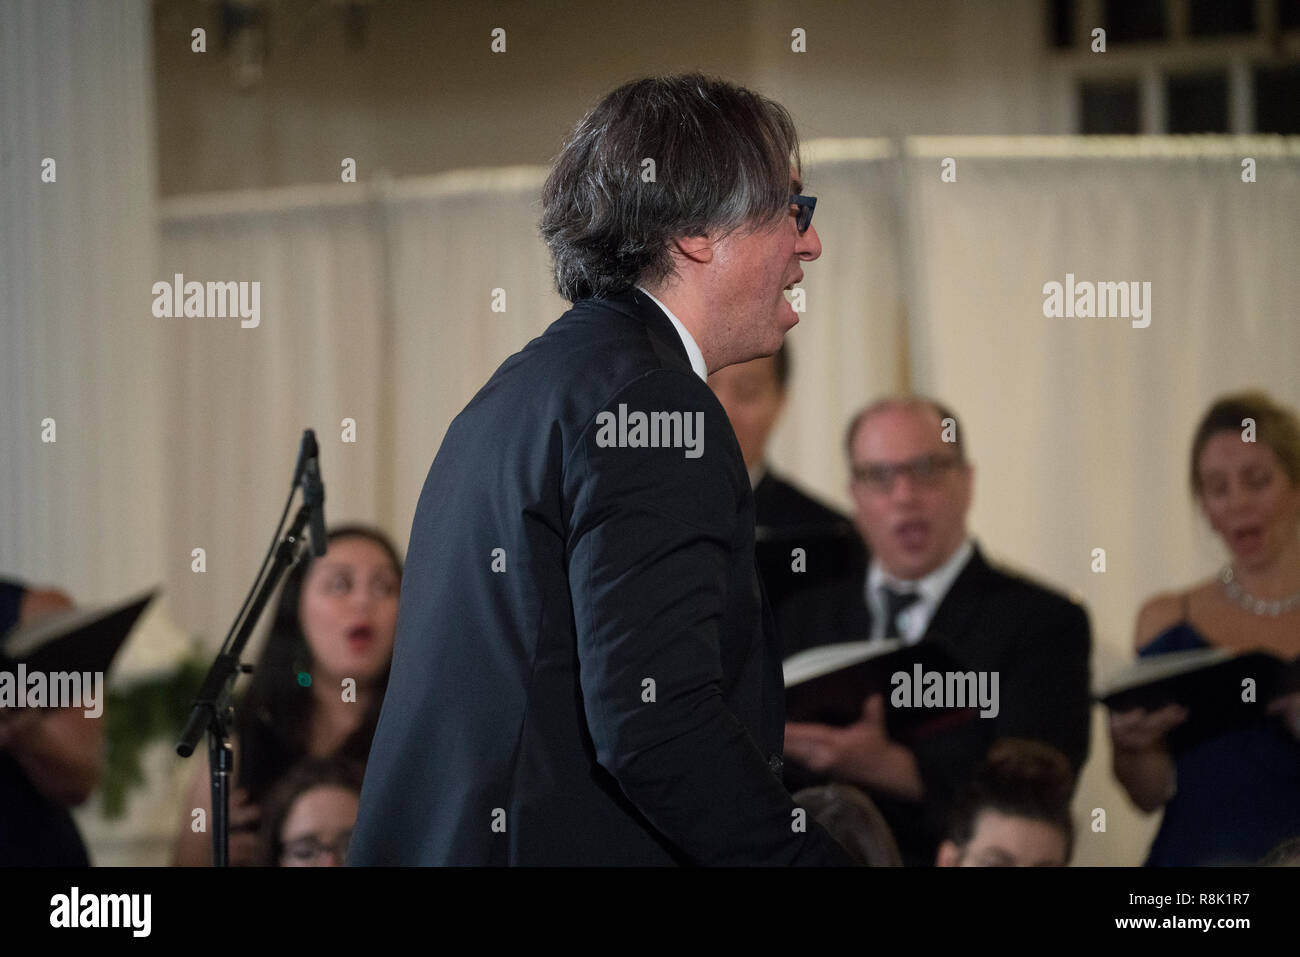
column 722, row 158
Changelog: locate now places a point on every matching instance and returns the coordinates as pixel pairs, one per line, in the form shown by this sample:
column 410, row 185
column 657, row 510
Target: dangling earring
column 300, row 665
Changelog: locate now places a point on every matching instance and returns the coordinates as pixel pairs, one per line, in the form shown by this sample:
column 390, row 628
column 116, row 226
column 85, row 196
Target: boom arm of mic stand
column 212, row 710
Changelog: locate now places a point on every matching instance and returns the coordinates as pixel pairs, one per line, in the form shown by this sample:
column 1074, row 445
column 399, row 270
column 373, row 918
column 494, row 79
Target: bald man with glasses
column 928, row 581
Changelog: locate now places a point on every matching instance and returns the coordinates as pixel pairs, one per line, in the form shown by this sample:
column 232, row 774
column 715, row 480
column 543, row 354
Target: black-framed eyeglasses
column 806, row 206
column 307, row 850
column 927, row 471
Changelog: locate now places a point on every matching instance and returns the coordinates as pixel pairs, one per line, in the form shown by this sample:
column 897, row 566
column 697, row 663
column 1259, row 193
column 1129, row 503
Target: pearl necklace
column 1256, row 606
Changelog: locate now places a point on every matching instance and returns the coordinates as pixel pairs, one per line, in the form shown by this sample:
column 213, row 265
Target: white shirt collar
column 692, row 350
column 932, row 589
column 756, row 474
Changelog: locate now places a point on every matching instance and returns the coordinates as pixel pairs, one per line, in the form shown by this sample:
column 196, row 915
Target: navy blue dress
column 34, row 831
column 1238, row 792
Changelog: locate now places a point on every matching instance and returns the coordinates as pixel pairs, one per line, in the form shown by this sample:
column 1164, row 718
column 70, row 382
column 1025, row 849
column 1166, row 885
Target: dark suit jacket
column 1037, row 640
column 786, row 519
column 34, row 830
column 614, row 695
column 781, row 506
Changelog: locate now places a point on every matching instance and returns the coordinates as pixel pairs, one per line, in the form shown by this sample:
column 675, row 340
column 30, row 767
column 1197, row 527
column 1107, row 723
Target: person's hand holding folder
column 1143, row 730
column 861, row 752
column 1288, row 707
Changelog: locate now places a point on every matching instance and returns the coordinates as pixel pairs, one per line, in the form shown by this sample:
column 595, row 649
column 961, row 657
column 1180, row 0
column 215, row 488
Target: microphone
column 313, row 491
column 307, row 449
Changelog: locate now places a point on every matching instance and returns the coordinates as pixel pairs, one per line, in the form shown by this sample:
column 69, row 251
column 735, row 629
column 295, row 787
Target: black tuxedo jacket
column 1037, row 640
column 783, row 507
column 785, row 520
column 585, row 670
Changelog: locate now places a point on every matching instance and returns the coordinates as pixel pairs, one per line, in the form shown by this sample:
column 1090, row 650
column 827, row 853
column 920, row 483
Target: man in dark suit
column 51, row 759
column 928, row 581
column 801, row 542
column 585, row 671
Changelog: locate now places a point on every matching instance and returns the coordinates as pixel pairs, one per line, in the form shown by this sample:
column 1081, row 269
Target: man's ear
column 696, row 248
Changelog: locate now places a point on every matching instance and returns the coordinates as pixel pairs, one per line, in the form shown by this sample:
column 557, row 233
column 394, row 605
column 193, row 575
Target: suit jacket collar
column 693, row 352
column 663, row 335
column 952, row 619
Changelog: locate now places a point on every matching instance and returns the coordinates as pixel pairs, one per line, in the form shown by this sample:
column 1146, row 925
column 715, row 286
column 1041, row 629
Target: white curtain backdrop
column 77, row 341
column 850, row 344
column 378, row 304
column 240, row 397
column 454, row 242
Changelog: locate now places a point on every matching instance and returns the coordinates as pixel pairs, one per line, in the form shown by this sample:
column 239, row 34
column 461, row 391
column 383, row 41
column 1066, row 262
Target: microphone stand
column 213, row 710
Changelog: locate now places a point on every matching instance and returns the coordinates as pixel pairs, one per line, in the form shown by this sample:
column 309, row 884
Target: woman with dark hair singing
column 317, row 688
